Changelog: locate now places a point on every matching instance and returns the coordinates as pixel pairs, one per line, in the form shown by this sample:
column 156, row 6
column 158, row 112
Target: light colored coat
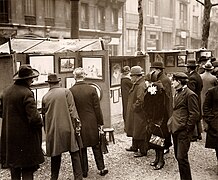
column 59, row 110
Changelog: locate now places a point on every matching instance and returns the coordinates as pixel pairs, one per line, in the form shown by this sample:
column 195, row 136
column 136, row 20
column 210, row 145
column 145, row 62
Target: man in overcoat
column 182, row 122
column 60, row 116
column 21, row 136
column 90, row 113
column 126, row 85
column 136, row 124
column 195, row 83
column 210, row 115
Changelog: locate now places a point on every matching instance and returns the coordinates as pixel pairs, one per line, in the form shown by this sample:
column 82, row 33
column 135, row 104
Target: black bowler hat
column 25, row 72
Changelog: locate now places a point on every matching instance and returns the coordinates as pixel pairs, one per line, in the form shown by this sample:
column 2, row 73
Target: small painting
column 170, row 61
column 66, row 65
column 181, row 60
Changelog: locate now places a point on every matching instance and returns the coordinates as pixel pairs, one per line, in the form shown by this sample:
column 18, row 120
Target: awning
column 50, row 46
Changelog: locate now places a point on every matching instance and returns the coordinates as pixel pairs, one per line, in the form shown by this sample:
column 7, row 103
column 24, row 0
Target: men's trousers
column 181, row 141
column 76, row 164
column 98, row 155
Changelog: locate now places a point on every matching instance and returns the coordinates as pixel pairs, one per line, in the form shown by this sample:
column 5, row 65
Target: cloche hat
column 25, row 72
column 136, row 70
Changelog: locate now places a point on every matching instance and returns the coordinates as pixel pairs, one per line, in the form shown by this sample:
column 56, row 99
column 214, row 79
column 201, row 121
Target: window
column 114, row 19
column 30, row 12
column 4, row 11
column 49, row 12
column 101, row 18
column 183, row 12
column 131, row 40
column 167, row 9
column 84, row 15
column 195, row 24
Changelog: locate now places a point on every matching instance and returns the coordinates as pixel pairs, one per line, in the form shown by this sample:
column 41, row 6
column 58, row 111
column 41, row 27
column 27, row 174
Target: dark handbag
column 103, row 142
column 157, row 141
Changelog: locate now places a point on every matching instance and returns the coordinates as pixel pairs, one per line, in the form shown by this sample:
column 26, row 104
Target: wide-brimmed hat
column 136, row 70
column 53, row 78
column 125, row 70
column 25, row 72
column 158, row 65
column 191, row 63
column 208, row 66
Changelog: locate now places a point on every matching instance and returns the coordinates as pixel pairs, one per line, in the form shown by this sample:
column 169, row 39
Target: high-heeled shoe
column 159, row 166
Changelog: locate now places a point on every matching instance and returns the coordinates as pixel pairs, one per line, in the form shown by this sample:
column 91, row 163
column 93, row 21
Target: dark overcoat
column 21, row 128
column 126, row 85
column 210, row 112
column 156, row 112
column 135, row 120
column 89, row 111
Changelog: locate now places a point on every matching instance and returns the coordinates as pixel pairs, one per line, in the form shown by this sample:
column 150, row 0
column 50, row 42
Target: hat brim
column 158, row 67
column 33, row 75
column 55, row 81
column 191, row 65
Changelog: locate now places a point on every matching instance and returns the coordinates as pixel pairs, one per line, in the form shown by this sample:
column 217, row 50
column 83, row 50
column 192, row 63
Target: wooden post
column 74, row 19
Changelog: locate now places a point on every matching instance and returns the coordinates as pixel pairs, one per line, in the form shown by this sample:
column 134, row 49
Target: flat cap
column 180, row 75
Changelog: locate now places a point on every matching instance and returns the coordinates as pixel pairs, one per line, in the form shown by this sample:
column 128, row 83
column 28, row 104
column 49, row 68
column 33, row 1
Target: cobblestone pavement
column 123, row 166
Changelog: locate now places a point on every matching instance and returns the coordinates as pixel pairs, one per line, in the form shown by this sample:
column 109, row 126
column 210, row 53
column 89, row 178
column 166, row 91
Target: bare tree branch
column 200, row 2
column 216, row 4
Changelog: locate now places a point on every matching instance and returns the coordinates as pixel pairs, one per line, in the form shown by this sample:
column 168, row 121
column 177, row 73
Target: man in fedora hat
column 21, row 136
column 135, row 122
column 209, row 81
column 60, row 116
column 195, row 84
column 158, row 68
column 182, row 122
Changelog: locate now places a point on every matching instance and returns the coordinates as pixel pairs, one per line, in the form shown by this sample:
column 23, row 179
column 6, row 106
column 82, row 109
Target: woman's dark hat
column 191, row 63
column 157, row 65
column 26, row 72
column 53, row 78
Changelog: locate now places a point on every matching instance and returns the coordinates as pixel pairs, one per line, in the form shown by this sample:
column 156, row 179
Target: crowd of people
column 171, row 110
column 158, row 112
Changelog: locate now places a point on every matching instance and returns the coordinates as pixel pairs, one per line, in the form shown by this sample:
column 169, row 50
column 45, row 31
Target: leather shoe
column 139, row 154
column 159, row 166
column 103, row 172
column 131, row 149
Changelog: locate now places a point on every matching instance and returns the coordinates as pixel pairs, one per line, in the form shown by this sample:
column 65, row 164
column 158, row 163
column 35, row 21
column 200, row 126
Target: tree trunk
column 140, row 27
column 206, row 23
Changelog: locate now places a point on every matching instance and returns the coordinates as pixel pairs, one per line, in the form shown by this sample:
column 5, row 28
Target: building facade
column 168, row 24
column 52, row 18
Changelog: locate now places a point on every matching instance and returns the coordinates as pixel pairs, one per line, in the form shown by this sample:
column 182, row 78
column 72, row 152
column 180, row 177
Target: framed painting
column 93, row 67
column 181, row 60
column 44, row 64
column 115, row 75
column 116, row 96
column 98, row 89
column 70, row 81
column 38, row 94
column 170, row 61
column 66, row 65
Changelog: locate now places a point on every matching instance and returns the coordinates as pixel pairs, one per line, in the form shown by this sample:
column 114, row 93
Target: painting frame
column 38, row 95
column 66, row 64
column 69, row 82
column 44, row 64
column 181, row 60
column 115, row 73
column 170, row 61
column 116, row 96
column 93, row 66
